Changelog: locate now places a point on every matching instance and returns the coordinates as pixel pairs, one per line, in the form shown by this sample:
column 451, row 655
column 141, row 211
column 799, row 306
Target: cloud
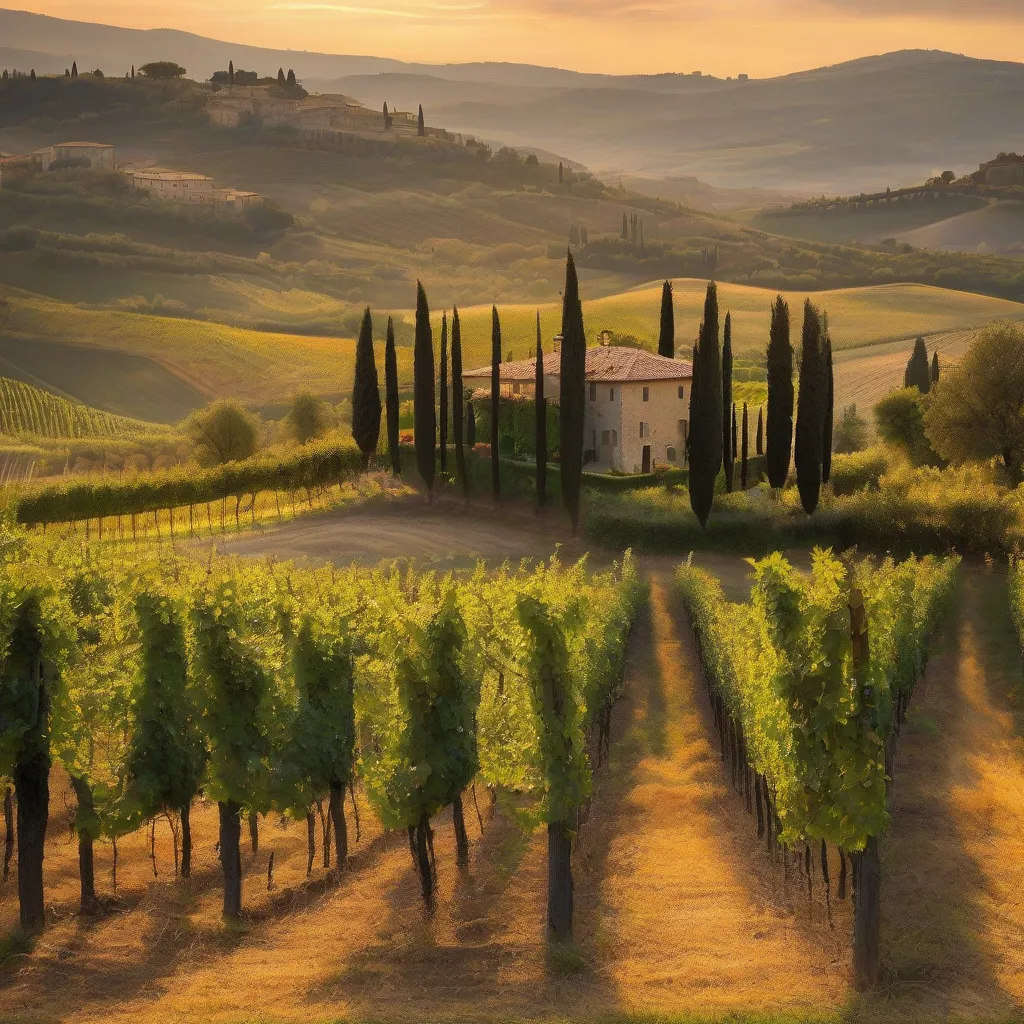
column 933, row 10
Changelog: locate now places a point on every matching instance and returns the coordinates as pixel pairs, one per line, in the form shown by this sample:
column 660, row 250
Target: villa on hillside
column 189, row 187
column 636, row 403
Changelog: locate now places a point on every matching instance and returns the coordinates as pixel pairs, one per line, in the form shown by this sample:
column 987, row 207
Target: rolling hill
column 882, row 120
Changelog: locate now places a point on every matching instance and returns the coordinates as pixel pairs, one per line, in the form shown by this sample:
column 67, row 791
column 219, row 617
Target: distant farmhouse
column 98, row 156
column 318, row 118
column 637, row 403
column 1007, row 169
column 189, row 187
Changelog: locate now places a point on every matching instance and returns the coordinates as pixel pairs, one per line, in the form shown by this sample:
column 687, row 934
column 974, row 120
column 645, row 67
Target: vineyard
column 810, row 684
column 272, row 688
column 25, row 409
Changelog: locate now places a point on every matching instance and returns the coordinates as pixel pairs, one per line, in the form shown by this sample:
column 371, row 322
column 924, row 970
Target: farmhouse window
column 606, row 437
column 611, row 394
column 682, row 392
column 647, row 394
column 670, row 454
column 645, row 430
column 593, row 392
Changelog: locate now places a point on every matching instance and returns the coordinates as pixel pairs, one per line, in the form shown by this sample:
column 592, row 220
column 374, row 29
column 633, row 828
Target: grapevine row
column 809, row 683
column 270, row 687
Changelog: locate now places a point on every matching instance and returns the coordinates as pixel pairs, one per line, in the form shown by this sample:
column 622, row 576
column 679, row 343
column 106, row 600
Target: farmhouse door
column 646, row 462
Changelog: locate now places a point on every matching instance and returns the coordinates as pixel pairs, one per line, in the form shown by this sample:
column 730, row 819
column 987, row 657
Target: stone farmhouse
column 637, row 404
column 318, row 118
column 99, row 156
column 189, row 187
column 1007, row 169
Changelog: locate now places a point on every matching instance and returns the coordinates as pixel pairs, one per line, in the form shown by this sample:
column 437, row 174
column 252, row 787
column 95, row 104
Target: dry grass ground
column 680, row 910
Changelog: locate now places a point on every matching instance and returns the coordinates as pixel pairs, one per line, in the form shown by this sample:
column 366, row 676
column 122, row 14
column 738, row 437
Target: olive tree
column 225, row 431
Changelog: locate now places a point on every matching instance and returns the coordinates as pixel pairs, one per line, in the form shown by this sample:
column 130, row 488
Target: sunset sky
column 722, row 37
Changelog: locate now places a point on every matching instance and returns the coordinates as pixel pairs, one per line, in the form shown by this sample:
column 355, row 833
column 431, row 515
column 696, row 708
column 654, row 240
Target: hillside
column 882, row 120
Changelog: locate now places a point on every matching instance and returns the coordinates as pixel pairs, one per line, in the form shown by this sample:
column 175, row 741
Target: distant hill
column 882, row 120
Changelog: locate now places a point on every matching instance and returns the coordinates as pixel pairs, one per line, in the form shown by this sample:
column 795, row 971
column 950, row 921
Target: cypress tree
column 133, row 72
column 470, row 424
column 74, row 69
column 625, row 227
column 421, row 128
column 728, row 410
column 935, row 368
column 458, row 402
column 561, row 173
column 572, row 393
column 231, row 72
column 667, row 334
column 366, row 393
column 706, row 415
column 917, row 374
column 280, row 76
column 830, row 397
column 744, row 450
column 779, row 425
column 443, row 396
column 424, row 413
column 387, row 117
column 391, row 398
column 291, row 77
column 540, row 407
column 810, row 416
column 495, row 401
column 760, row 431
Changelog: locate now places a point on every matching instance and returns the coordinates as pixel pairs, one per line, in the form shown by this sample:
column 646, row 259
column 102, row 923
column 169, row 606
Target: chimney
column 558, row 343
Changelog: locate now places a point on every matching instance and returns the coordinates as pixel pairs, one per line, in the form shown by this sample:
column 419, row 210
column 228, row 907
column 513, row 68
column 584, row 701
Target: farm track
column 678, row 906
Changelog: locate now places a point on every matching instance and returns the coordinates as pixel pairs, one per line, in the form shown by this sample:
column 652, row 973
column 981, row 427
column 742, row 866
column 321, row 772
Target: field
column 680, row 910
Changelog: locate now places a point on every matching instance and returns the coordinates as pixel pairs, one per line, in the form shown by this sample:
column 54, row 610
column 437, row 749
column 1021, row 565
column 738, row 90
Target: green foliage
column 779, row 424
column 851, row 433
column 974, row 410
column 814, row 722
column 495, row 403
column 307, row 417
column 706, row 412
column 572, row 392
column 667, row 330
column 728, row 409
column 918, row 373
column 366, row 392
column 517, row 424
column 424, row 395
column 900, row 420
column 811, row 408
column 391, row 397
column 162, row 69
column 857, row 471
column 225, row 431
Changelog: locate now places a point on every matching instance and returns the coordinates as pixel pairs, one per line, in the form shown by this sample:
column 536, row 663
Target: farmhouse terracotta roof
column 604, row 363
column 83, row 145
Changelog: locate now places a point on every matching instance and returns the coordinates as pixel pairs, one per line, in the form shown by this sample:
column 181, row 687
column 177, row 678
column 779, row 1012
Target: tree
column 225, row 431
column 470, row 425
column 760, row 432
column 572, row 393
column 540, row 414
column 934, row 376
column 744, row 450
column 421, row 128
column 238, row 715
column 728, row 409
column 423, row 397
column 779, row 425
column 495, row 402
column 667, row 333
column 133, row 72
column 165, row 69
column 918, row 374
column 291, row 79
column 458, row 403
column 280, row 76
column 851, row 431
column 706, row 412
column 391, row 398
column 366, row 393
column 387, row 118
column 32, row 75
column 74, row 69
column 167, row 755
column 443, row 394
column 974, row 411
column 307, row 417
column 810, row 416
column 67, row 73
column 574, row 235
column 830, row 401
column 231, row 72
column 625, row 227
column 900, row 421
column 561, row 173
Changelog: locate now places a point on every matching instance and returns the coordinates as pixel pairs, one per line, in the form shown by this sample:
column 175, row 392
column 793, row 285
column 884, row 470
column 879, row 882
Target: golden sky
column 721, row 37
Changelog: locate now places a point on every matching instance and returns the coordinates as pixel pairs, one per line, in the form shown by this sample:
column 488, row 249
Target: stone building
column 637, row 404
column 98, row 156
column 189, row 187
column 1007, row 169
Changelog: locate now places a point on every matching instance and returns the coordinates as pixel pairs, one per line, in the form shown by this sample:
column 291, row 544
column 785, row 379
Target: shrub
column 900, row 418
column 225, row 431
column 857, row 471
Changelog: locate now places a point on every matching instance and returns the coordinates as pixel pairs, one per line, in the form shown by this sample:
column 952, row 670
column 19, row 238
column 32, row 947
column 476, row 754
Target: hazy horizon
column 761, row 38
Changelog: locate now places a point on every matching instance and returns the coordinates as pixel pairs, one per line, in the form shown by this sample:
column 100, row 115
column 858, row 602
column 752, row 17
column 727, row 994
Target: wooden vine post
column 867, row 890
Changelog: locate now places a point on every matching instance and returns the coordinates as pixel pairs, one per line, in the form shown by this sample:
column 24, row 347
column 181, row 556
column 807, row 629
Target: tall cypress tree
column 231, row 72
column 366, row 393
column 810, row 415
column 424, row 412
column 458, row 403
column 706, row 415
column 572, row 393
column 935, row 368
column 760, row 431
column 830, row 398
column 391, row 398
column 779, row 421
column 443, row 394
column 918, row 374
column 728, row 411
column 744, row 450
column 667, row 334
column 495, row 402
column 540, row 407
column 625, row 227
column 421, row 127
